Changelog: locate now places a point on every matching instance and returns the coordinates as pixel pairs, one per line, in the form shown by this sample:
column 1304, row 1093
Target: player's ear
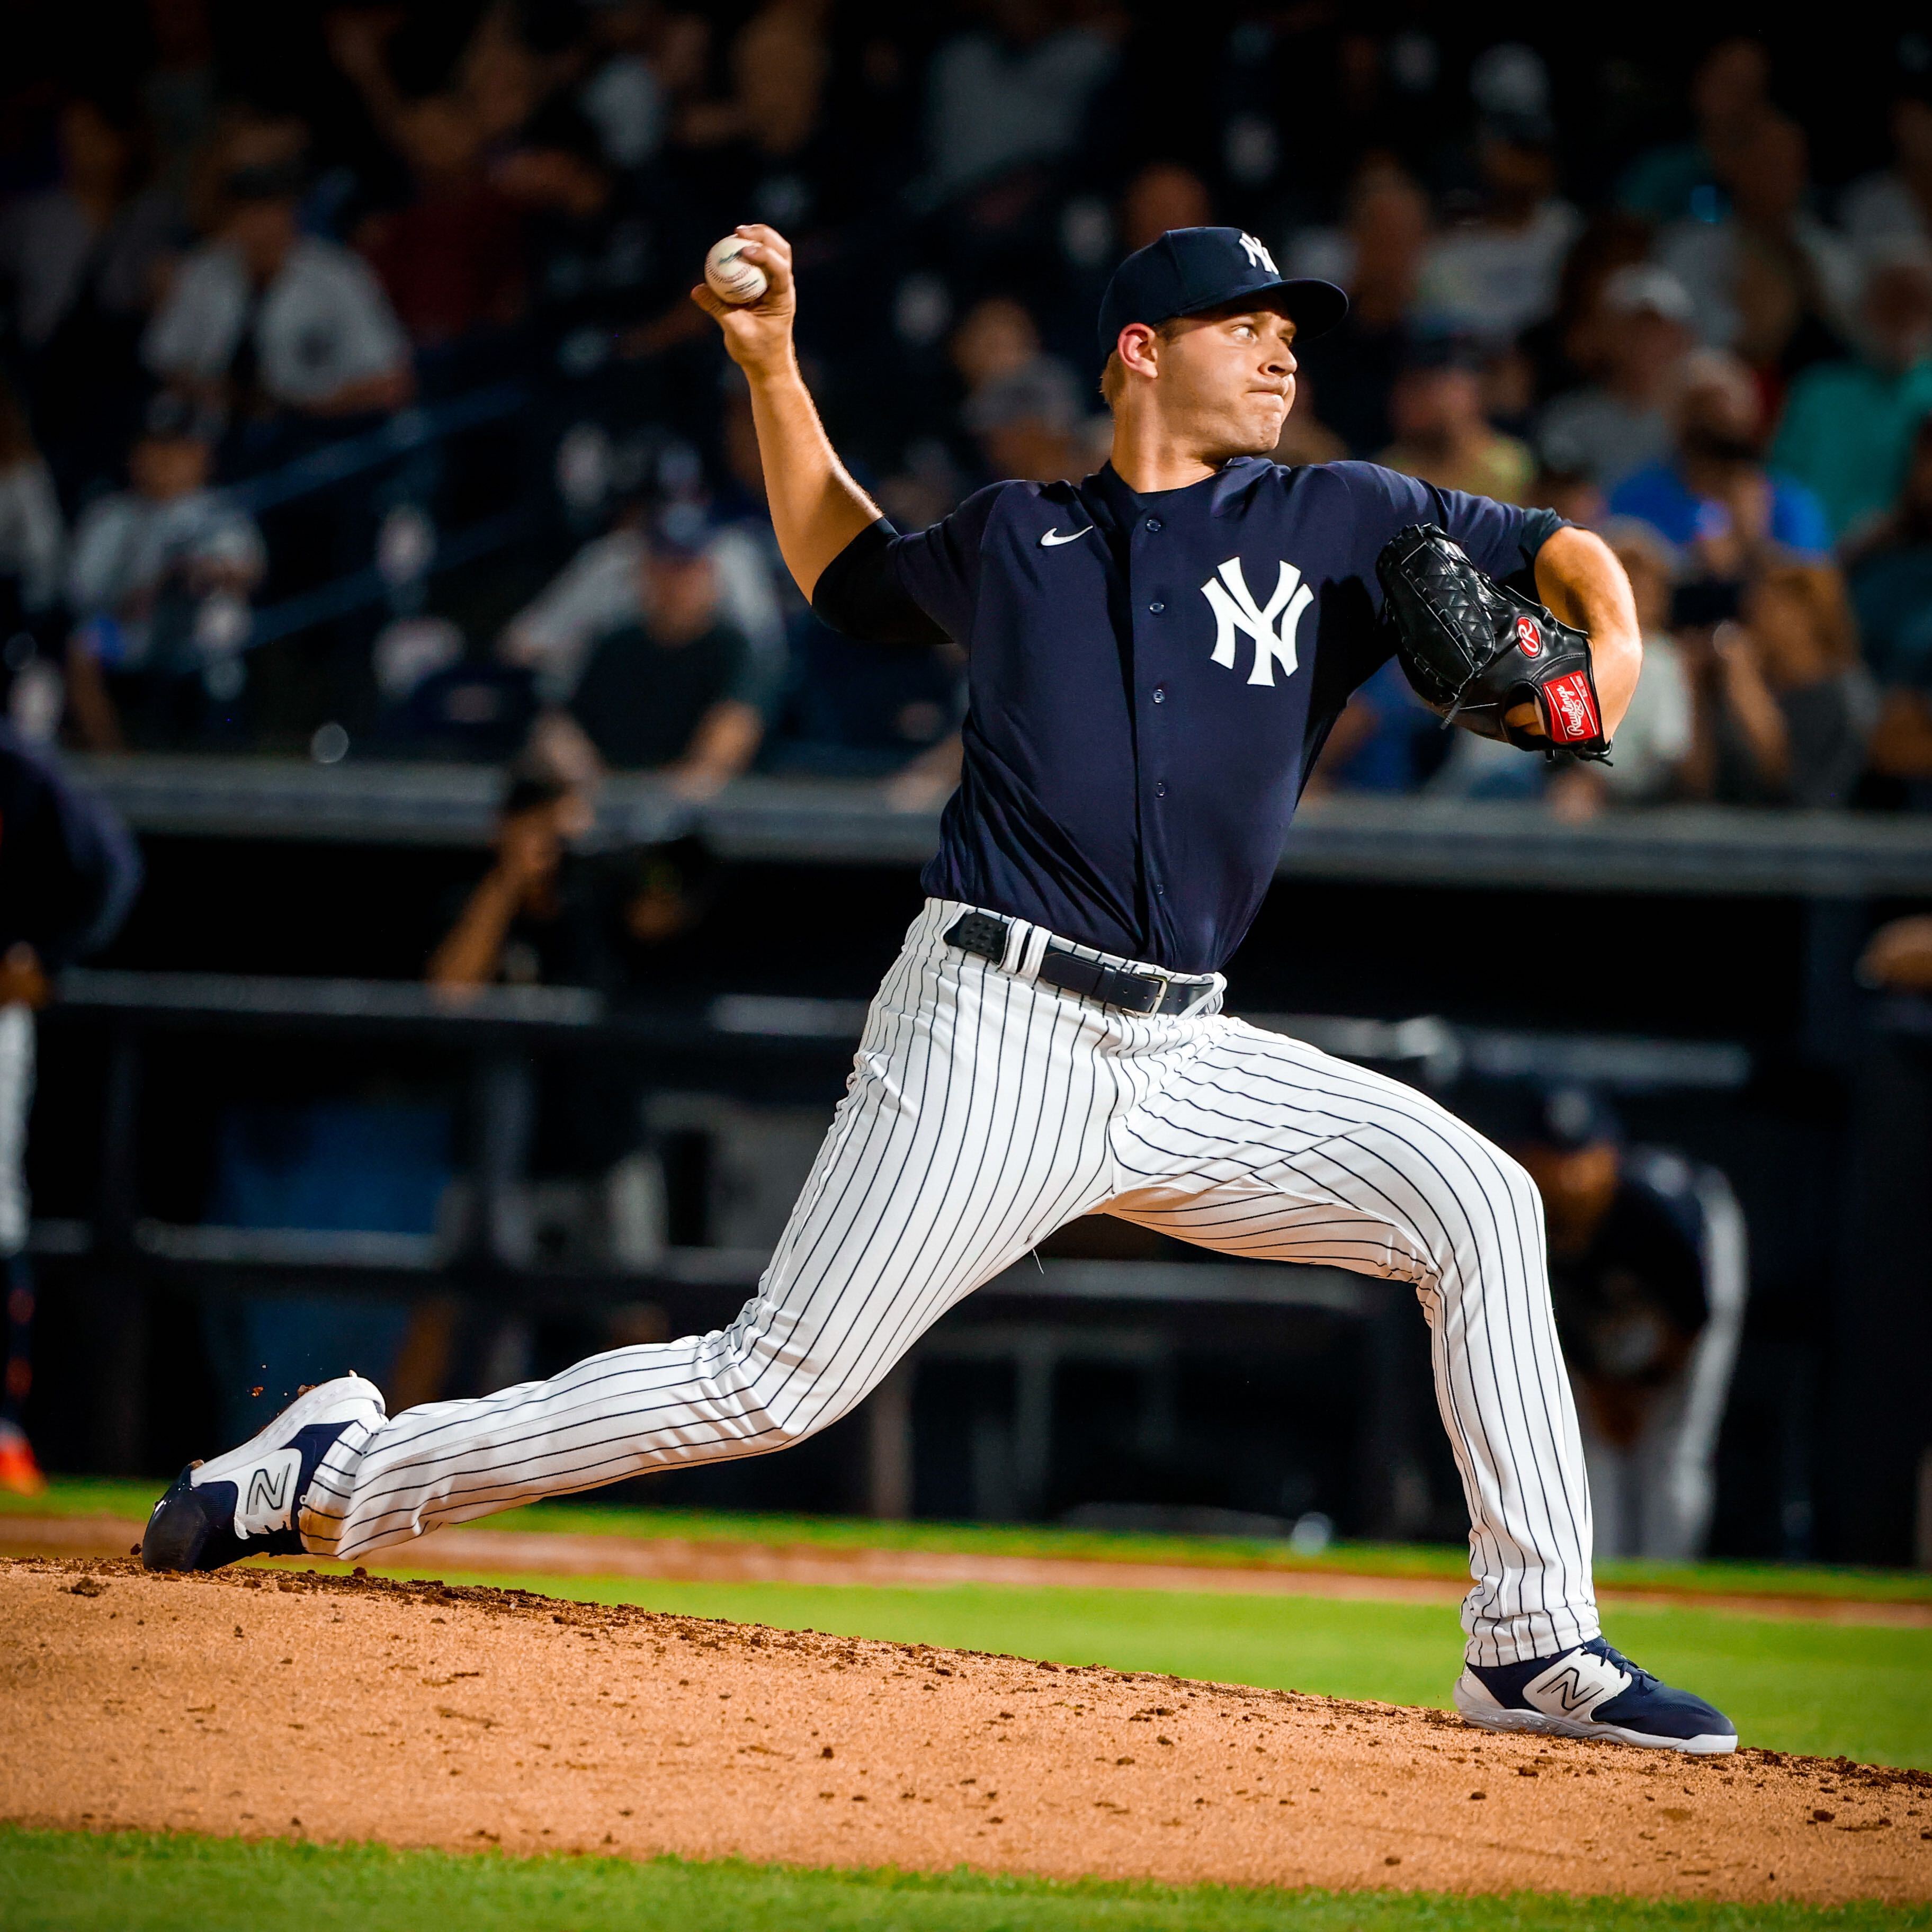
column 1139, row 349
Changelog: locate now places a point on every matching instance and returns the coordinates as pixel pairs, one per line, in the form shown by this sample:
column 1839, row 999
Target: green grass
column 71, row 1495
column 131, row 1882
column 1788, row 1684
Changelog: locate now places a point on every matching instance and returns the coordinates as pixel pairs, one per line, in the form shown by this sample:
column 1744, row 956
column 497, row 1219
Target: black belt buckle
column 1112, row 985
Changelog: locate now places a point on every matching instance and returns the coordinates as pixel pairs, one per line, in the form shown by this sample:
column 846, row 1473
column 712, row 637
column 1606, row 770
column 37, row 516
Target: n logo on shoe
column 266, row 1501
column 1577, row 1686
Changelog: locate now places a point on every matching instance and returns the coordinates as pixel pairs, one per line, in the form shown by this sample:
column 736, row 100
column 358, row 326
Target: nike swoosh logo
column 1053, row 539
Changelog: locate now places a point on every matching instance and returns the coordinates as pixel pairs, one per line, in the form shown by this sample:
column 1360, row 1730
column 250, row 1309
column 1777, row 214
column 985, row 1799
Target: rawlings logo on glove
column 1475, row 651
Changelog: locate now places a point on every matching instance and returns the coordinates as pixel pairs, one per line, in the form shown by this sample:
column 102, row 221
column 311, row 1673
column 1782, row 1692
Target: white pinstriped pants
column 985, row 1110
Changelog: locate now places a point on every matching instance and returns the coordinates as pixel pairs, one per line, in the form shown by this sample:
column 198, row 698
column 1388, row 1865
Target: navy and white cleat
column 248, row 1502
column 1592, row 1691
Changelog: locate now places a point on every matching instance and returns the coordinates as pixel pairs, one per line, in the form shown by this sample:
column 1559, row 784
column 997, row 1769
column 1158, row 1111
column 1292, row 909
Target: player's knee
column 1498, row 1211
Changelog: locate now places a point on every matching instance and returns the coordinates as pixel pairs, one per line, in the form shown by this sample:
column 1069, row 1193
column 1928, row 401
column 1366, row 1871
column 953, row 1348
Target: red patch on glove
column 1569, row 709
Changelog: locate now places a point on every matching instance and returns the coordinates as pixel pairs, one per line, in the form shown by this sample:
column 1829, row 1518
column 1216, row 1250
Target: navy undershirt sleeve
column 920, row 588
column 858, row 594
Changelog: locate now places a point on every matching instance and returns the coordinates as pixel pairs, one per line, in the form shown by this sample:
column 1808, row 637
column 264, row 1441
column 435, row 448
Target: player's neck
column 1148, row 455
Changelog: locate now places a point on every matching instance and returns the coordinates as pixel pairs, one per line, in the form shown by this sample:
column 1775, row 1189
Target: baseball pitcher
column 1156, row 655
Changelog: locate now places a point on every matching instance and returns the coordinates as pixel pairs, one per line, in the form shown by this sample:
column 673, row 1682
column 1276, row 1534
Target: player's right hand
column 758, row 334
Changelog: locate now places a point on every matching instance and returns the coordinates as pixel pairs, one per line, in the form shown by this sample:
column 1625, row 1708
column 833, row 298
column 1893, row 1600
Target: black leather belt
column 985, row 933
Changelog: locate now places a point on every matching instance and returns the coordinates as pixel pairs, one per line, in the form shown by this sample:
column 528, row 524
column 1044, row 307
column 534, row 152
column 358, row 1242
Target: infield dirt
column 275, row 1703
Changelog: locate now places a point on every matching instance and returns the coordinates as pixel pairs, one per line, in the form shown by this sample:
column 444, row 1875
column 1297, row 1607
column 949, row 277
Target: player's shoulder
column 1369, row 485
column 1373, row 482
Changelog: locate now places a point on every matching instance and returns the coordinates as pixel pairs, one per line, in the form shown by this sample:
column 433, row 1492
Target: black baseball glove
column 1476, row 651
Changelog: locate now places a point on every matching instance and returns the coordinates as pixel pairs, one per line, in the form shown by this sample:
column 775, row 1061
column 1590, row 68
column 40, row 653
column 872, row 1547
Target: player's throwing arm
column 816, row 507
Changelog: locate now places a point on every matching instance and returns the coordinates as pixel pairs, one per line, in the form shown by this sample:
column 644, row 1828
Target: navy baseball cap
column 1191, row 269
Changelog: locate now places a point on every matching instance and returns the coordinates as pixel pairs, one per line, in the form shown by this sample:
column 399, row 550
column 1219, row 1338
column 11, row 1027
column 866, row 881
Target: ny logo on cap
column 1273, row 629
column 1258, row 257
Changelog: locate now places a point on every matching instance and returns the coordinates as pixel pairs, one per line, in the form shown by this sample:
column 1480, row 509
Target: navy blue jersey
column 1151, row 677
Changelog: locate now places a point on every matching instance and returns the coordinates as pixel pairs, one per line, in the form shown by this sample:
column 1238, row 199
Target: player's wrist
column 770, row 366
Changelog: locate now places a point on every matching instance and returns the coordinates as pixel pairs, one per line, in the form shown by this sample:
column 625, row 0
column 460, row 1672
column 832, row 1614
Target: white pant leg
column 973, row 1124
column 1252, row 1144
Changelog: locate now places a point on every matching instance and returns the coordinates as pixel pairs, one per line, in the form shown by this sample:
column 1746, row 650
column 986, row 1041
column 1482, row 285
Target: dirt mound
column 278, row 1703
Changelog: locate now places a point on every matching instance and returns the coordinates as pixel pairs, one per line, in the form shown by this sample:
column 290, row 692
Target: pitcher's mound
column 278, row 1703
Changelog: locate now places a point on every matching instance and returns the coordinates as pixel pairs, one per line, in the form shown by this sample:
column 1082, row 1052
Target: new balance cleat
column 1592, row 1691
column 248, row 1502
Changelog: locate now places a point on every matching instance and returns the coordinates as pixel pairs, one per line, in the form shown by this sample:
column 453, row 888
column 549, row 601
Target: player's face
column 1227, row 382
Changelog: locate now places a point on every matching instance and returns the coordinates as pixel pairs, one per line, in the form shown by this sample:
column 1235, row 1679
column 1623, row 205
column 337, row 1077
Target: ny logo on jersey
column 1273, row 629
column 265, row 1503
column 1258, row 257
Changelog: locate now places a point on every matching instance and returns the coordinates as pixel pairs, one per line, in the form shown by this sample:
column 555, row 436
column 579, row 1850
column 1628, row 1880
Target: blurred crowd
column 353, row 403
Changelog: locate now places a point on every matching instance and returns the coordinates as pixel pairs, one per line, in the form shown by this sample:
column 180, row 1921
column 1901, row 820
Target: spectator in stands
column 1729, row 94
column 1891, row 590
column 264, row 320
column 1891, row 569
column 180, row 90
column 1648, row 1273
column 1377, row 256
column 602, row 589
column 81, row 261
column 591, row 246
column 1570, row 492
column 158, row 582
column 1784, row 709
column 768, row 152
column 1622, row 421
column 451, row 260
column 1800, row 625
column 1655, row 739
column 548, row 912
column 675, row 691
column 1714, row 500
column 1770, row 280
column 1892, row 209
column 1491, row 276
column 1013, row 93
column 518, row 925
column 1023, row 406
column 69, row 874
column 1848, row 426
column 33, row 537
column 626, row 96
column 1441, row 433
column 1572, row 346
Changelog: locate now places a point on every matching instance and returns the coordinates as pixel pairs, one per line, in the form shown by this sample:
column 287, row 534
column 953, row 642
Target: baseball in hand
column 730, row 277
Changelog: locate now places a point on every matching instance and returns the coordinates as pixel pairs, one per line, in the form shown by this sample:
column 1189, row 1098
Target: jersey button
column 1160, row 788
column 1156, row 607
column 1160, row 694
column 1154, row 523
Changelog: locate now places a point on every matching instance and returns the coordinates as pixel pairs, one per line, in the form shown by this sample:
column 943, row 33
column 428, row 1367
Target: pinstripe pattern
column 985, row 1110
